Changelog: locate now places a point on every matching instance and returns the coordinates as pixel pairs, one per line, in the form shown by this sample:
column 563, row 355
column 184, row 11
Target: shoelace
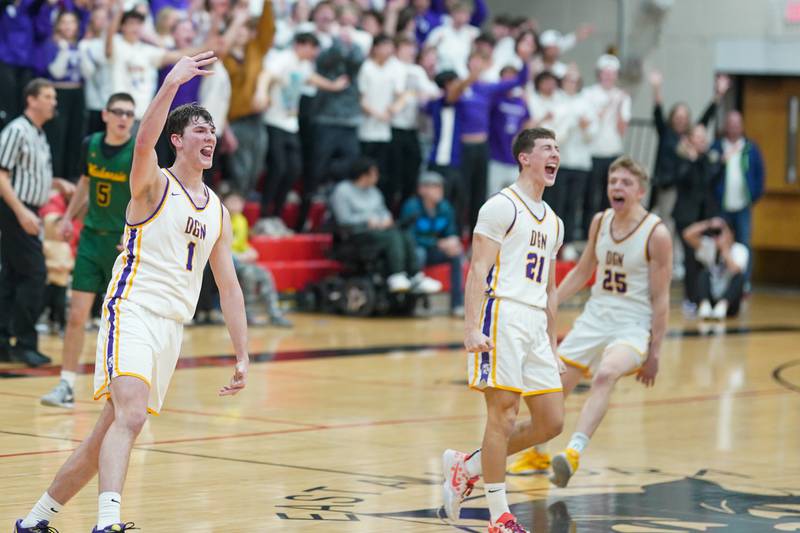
column 470, row 485
column 45, row 529
column 127, row 526
column 514, row 527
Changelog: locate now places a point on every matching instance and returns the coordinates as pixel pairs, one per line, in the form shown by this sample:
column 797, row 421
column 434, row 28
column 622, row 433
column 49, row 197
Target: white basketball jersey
column 161, row 266
column 522, row 266
column 622, row 280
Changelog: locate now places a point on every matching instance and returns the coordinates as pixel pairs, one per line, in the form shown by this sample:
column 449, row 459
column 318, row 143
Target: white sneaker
column 422, row 284
column 398, row 282
column 457, row 483
column 704, row 311
column 720, row 311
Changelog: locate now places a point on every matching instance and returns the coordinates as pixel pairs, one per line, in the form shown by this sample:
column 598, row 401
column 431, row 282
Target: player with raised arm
column 174, row 226
column 623, row 323
column 509, row 328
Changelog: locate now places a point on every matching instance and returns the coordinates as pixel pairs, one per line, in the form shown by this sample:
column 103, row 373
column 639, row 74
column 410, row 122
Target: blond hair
column 631, row 165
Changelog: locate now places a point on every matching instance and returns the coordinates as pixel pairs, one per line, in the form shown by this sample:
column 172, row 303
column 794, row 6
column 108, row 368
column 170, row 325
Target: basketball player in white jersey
column 174, row 226
column 510, row 328
column 623, row 324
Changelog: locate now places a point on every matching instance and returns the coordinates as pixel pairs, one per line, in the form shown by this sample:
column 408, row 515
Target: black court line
column 777, row 375
column 295, row 355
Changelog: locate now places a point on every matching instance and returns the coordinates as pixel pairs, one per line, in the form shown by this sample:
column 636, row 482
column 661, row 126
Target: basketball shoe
column 115, row 528
column 507, row 523
column 457, row 483
column 531, row 461
column 42, row 527
column 565, row 464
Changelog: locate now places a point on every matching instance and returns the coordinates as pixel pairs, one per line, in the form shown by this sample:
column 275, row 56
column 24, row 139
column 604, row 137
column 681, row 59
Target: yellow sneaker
column 565, row 464
column 531, row 461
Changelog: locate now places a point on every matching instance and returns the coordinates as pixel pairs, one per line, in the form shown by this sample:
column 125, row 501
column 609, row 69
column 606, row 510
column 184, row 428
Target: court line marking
column 324, row 353
column 374, row 423
column 777, row 375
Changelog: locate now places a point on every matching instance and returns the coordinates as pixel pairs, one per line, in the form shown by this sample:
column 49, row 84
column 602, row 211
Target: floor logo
column 685, row 505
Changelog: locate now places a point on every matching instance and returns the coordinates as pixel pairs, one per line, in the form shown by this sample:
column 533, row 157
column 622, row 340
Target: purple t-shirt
column 507, row 117
column 474, row 105
column 187, row 93
column 158, row 5
column 47, row 54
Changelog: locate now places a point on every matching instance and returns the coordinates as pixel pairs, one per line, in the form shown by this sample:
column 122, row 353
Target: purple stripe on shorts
column 487, row 329
column 123, row 280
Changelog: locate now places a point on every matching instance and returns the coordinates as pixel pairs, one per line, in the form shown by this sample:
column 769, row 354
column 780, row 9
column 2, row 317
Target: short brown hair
column 526, row 140
column 34, row 87
column 182, row 116
column 626, row 162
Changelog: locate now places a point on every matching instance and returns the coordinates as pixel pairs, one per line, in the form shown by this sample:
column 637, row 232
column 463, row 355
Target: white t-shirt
column 96, row 73
column 574, row 142
column 413, row 79
column 378, row 86
column 453, row 46
column 540, row 105
column 736, row 196
column 134, row 70
column 706, row 255
column 608, row 106
column 288, row 74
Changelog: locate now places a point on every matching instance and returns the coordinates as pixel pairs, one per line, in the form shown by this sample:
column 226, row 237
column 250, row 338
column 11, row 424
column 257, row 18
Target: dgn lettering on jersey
column 195, row 228
column 614, row 258
column 538, row 239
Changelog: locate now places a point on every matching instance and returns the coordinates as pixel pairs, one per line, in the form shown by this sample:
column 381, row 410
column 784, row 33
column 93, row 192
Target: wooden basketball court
column 343, row 423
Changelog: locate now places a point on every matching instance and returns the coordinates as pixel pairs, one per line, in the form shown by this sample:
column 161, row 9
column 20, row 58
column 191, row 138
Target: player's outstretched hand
column 647, row 374
column 477, row 342
column 189, row 67
column 238, row 381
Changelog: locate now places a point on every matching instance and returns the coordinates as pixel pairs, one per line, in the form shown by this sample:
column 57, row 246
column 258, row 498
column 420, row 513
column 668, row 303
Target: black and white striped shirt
column 25, row 154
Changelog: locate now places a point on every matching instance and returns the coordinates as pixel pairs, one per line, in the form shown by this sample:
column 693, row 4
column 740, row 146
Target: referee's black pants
column 23, row 278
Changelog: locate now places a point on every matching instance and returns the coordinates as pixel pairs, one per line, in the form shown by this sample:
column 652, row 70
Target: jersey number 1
column 534, row 268
column 190, row 255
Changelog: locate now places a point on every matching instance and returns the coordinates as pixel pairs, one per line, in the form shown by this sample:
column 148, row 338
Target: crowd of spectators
column 307, row 88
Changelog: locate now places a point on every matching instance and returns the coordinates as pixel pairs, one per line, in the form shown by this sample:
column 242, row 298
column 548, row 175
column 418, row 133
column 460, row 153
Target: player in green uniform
column 103, row 193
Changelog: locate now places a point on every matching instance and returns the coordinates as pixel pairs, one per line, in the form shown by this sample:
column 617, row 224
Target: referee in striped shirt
column 26, row 178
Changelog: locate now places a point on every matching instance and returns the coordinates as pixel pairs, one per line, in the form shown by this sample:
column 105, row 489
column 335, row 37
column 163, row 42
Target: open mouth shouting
column 550, row 170
column 207, row 151
column 617, row 201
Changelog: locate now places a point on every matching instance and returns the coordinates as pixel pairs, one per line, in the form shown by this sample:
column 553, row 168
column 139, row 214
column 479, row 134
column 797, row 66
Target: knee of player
column 551, row 425
column 132, row 419
column 605, row 377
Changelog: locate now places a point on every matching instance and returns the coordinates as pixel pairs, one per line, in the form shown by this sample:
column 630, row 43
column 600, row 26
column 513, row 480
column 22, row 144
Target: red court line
column 43, row 452
column 667, row 401
column 174, row 410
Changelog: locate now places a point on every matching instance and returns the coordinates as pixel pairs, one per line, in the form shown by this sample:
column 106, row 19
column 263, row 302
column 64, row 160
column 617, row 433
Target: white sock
column 496, row 497
column 473, row 464
column 45, row 509
column 578, row 442
column 108, row 504
column 69, row 377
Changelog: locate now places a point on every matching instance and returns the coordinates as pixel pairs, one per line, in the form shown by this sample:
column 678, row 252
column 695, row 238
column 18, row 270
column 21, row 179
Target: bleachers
column 299, row 260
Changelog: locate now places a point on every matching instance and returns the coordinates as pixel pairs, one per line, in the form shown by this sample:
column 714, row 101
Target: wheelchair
column 360, row 289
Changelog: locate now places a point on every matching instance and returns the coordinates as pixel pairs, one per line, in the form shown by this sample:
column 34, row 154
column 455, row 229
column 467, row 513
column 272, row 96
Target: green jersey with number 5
column 108, row 169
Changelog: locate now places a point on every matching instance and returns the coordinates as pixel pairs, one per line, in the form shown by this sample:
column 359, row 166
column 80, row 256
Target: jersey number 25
column 614, row 282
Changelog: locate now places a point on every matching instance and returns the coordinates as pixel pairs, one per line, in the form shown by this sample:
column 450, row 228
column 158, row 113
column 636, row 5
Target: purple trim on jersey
column 189, row 196
column 157, row 209
column 123, row 280
column 487, row 328
column 514, row 207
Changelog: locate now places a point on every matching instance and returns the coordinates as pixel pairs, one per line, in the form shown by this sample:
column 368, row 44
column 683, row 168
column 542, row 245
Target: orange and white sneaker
column 565, row 464
column 457, row 483
column 507, row 523
column 531, row 461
